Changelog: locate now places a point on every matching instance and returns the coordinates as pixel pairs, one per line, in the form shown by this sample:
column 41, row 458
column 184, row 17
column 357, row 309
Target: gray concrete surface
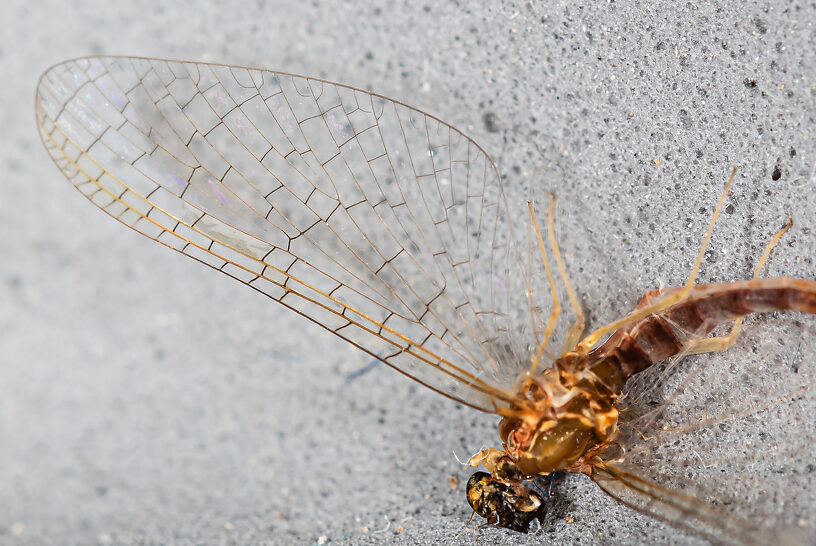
column 146, row 400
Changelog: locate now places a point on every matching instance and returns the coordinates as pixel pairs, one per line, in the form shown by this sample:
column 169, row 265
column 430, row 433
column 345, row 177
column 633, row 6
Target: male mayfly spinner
column 391, row 229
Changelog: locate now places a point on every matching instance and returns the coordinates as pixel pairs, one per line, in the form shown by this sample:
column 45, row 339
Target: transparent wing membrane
column 379, row 222
column 729, row 432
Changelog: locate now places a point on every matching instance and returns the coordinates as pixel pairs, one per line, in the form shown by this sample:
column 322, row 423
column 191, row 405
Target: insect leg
column 670, row 299
column 722, row 343
column 696, row 269
column 556, row 305
column 577, row 327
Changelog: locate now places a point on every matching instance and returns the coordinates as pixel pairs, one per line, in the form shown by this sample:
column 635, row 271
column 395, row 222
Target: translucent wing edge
column 684, row 510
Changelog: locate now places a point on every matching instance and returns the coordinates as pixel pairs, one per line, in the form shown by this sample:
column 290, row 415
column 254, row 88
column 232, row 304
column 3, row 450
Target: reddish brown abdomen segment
column 660, row 336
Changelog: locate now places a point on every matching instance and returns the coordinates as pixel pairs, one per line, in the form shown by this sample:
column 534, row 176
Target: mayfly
column 391, row 229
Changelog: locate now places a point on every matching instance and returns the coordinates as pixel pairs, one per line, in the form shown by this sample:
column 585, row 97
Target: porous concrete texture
column 145, row 399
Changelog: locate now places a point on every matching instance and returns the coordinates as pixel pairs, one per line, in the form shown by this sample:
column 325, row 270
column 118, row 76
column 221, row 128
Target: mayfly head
column 510, row 505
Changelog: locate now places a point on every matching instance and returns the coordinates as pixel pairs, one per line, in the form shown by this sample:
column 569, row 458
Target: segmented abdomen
column 660, row 336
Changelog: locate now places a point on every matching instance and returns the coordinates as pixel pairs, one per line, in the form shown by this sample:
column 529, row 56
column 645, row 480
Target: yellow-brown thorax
column 566, row 411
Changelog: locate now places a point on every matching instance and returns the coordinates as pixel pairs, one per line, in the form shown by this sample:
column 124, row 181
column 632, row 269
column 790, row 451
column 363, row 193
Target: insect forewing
column 377, row 221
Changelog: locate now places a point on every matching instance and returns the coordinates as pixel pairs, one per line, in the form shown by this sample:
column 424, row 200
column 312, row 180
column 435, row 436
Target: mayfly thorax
column 391, row 229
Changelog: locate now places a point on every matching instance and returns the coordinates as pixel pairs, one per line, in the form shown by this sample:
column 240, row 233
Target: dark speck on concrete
column 685, row 120
column 491, row 122
column 777, row 174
